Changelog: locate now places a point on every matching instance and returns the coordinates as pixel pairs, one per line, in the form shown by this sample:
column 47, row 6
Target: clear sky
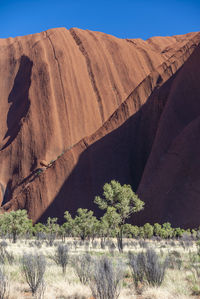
column 124, row 18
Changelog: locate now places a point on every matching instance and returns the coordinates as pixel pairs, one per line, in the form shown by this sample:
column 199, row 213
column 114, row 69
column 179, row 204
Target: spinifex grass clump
column 137, row 264
column 61, row 256
column 175, row 260
column 33, row 269
column 147, row 266
column 193, row 268
column 4, row 285
column 5, row 256
column 154, row 268
column 106, row 279
column 82, row 266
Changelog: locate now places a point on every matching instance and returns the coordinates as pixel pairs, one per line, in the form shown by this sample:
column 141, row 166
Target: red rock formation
column 171, row 179
column 59, row 86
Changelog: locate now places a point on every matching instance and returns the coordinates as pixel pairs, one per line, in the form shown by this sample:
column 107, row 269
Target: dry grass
column 59, row 286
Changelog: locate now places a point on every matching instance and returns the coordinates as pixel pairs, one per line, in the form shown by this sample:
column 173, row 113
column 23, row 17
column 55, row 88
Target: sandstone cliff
column 80, row 108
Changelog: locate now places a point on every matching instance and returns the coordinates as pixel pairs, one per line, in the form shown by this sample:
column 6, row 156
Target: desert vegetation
column 104, row 258
column 94, row 268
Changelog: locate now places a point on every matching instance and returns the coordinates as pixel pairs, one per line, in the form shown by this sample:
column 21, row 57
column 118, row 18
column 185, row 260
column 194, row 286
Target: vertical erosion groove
column 90, row 72
column 144, row 53
column 61, row 81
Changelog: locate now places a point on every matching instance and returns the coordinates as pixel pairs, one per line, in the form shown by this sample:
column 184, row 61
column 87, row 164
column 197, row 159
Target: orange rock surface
column 94, row 108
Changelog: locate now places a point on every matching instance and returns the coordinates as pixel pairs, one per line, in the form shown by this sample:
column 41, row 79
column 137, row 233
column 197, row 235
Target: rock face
column 80, row 108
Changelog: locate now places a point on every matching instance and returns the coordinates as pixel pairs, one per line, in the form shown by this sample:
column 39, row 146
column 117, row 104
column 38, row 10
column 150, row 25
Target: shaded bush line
column 87, row 227
column 118, row 201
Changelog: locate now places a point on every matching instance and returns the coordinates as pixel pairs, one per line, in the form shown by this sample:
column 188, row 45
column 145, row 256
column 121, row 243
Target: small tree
column 124, row 202
column 52, row 229
column 69, row 225
column 110, row 222
column 148, row 230
column 39, row 230
column 178, row 232
column 96, row 230
column 128, row 233
column 15, row 223
column 167, row 230
column 62, row 233
column 85, row 223
column 135, row 231
column 157, row 228
column 141, row 232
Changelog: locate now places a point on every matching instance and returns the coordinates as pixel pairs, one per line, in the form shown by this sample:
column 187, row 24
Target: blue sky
column 125, row 19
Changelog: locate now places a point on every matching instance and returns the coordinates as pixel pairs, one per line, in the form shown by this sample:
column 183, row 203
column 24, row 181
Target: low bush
column 61, row 256
column 106, row 279
column 4, row 285
column 82, row 266
column 94, row 244
column 102, row 244
column 137, row 264
column 143, row 244
column 147, row 266
column 5, row 256
column 175, row 260
column 154, row 268
column 33, row 269
column 112, row 248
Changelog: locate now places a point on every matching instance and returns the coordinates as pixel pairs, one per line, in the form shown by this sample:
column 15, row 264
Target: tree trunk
column 120, row 240
column 14, row 237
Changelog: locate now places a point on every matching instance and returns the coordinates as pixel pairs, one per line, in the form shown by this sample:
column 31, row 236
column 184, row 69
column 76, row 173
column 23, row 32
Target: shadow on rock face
column 19, row 99
column 121, row 155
